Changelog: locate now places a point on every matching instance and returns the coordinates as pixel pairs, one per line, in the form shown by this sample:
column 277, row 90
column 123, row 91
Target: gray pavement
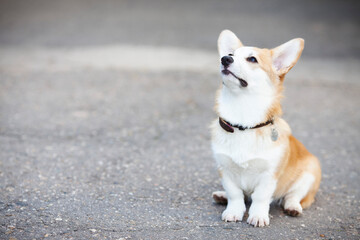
column 117, row 153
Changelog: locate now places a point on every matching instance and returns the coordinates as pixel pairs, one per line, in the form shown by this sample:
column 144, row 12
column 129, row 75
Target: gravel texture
column 115, row 154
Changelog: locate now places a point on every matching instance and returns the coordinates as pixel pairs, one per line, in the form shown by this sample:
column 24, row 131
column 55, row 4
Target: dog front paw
column 232, row 215
column 259, row 220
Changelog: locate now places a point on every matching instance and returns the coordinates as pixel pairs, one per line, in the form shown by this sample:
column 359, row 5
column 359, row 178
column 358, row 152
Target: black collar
column 230, row 127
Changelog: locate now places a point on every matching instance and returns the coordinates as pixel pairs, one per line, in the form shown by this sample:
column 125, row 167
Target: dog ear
column 228, row 42
column 286, row 55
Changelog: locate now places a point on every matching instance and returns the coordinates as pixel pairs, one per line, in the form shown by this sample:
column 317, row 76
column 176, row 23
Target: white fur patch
column 228, row 43
column 245, row 105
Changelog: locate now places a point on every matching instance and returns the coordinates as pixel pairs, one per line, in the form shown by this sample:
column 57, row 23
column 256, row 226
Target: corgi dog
column 256, row 154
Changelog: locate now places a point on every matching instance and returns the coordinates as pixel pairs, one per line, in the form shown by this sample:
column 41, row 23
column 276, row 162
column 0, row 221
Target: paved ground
column 111, row 151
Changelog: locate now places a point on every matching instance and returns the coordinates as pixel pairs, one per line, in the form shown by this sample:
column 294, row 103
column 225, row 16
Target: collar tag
column 274, row 134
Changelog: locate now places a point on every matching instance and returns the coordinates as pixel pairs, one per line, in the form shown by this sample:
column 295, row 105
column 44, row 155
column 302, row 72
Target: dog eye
column 230, row 54
column 251, row 59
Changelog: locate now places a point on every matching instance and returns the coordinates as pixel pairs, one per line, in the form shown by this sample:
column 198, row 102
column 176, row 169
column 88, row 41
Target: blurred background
column 105, row 108
column 330, row 28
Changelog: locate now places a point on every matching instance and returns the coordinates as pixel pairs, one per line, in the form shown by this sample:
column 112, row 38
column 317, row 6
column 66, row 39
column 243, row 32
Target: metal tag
column 274, row 134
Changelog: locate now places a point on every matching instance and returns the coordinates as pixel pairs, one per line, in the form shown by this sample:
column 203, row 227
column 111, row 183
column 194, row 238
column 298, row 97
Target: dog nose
column 226, row 61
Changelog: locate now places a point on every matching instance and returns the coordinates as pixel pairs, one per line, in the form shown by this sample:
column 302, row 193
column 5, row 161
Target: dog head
column 253, row 69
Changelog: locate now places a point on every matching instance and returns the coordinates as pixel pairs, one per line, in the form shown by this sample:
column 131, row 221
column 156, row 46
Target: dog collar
column 230, row 127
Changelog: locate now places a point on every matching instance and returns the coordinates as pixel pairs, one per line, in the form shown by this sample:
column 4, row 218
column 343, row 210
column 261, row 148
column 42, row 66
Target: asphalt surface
column 118, row 153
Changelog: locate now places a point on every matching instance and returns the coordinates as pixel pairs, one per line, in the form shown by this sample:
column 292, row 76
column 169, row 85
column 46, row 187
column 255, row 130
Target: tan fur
column 297, row 159
column 295, row 162
column 265, row 62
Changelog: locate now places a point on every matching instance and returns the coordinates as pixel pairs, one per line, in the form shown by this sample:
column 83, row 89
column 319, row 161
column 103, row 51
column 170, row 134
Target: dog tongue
column 243, row 83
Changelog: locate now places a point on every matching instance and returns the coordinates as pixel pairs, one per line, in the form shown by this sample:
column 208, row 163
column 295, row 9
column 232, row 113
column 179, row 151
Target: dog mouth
column 243, row 83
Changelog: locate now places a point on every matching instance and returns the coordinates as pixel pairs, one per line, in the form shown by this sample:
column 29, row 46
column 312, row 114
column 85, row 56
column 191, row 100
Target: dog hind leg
column 299, row 192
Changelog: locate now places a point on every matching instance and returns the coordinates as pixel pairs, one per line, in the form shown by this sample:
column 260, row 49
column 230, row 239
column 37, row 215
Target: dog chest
column 242, row 145
column 245, row 154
